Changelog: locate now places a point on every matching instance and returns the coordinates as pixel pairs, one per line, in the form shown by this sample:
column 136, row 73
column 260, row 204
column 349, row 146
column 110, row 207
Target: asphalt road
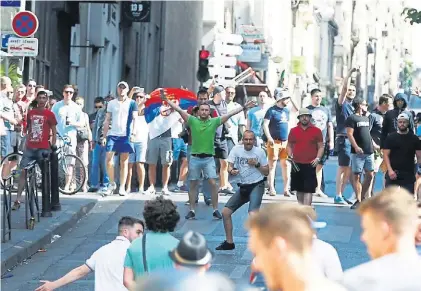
column 100, row 226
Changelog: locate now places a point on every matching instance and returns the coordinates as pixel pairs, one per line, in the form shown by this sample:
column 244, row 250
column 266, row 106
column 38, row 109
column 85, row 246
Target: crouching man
column 251, row 164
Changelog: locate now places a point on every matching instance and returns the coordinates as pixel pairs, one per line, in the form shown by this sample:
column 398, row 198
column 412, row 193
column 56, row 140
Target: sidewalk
column 25, row 243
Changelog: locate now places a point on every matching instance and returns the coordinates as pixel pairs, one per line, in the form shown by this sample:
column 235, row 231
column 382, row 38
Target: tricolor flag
column 160, row 116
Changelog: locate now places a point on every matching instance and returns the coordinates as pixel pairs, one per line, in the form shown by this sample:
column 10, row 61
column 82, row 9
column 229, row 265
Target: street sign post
column 226, row 49
column 25, row 24
column 23, row 47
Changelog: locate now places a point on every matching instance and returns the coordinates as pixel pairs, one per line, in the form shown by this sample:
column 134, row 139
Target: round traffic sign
column 25, row 24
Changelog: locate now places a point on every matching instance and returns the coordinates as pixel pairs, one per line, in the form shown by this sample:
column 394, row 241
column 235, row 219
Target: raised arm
column 345, row 87
column 174, row 106
column 248, row 105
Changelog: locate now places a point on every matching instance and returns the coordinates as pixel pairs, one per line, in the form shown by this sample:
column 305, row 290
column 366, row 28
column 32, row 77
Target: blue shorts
column 179, row 148
column 197, row 166
column 30, row 155
column 362, row 163
column 343, row 147
column 139, row 154
column 254, row 198
column 6, row 144
column 119, row 144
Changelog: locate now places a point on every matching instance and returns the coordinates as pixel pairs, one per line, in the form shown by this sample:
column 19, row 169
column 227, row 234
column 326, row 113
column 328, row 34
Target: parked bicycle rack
column 7, row 208
column 31, row 195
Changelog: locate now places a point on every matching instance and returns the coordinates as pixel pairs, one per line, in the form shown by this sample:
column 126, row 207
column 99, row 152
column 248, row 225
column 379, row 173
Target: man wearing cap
column 399, row 149
column 192, row 252
column 276, row 128
column 221, row 145
column 305, row 148
column 120, row 114
column 358, row 129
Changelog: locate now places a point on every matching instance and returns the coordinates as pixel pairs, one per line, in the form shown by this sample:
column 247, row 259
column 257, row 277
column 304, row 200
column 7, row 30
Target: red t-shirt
column 304, row 143
column 40, row 122
column 214, row 113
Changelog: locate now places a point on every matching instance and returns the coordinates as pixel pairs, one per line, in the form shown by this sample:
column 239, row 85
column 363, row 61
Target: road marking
column 238, row 272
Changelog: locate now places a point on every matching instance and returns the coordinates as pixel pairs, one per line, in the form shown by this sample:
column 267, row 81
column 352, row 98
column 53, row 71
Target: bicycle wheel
column 72, row 167
column 12, row 162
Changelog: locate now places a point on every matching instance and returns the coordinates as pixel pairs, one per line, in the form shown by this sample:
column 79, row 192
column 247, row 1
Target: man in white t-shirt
column 120, row 113
column 237, row 123
column 250, row 163
column 107, row 262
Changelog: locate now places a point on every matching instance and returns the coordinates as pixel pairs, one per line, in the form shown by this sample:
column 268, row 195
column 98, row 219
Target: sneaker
column 225, row 246
column 165, row 192
column 180, row 189
column 93, row 190
column 227, row 191
column 122, row 192
column 348, row 201
column 321, row 194
column 150, row 191
column 191, row 215
column 217, row 214
column 355, row 205
column 110, row 189
column 188, row 202
column 339, row 200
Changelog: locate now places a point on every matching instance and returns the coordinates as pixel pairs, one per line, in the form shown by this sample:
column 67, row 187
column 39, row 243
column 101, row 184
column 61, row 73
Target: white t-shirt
column 239, row 157
column 121, row 116
column 235, row 121
column 327, row 259
column 391, row 272
column 108, row 264
column 140, row 129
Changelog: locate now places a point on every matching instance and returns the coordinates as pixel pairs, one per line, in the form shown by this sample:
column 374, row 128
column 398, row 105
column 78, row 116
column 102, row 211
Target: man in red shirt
column 41, row 122
column 305, row 149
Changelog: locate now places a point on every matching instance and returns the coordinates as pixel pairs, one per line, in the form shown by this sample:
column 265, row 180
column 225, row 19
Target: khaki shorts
column 278, row 151
column 378, row 163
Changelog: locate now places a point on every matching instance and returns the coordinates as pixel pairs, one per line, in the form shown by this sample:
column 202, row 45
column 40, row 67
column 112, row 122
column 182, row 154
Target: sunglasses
column 69, row 92
column 122, row 87
column 32, row 86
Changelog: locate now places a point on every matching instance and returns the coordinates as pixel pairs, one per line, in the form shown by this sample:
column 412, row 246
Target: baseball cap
column 403, row 116
column 280, row 94
column 123, row 83
column 192, row 251
column 217, row 89
column 43, row 91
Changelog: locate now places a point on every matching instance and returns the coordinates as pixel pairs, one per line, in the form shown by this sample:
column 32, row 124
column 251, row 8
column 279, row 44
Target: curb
column 28, row 248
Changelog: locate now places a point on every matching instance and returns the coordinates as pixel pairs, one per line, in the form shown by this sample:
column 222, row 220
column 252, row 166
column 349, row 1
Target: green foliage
column 412, row 14
column 12, row 73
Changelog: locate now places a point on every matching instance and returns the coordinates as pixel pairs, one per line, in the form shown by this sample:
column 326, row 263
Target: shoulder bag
column 145, row 263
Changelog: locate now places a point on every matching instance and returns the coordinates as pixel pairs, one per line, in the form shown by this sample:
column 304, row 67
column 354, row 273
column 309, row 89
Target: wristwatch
column 257, row 165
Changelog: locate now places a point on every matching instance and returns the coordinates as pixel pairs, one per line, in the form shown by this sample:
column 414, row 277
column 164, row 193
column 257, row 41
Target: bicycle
column 65, row 160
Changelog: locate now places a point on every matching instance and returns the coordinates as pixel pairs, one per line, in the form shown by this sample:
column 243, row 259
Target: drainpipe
column 88, row 51
column 32, row 59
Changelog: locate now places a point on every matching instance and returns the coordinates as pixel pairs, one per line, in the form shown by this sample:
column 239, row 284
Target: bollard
column 55, row 197
column 45, row 171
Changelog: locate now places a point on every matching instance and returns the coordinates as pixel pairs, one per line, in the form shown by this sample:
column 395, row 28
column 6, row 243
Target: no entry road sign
column 25, row 24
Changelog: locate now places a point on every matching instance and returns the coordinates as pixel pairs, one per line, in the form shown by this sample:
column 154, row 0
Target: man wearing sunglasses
column 107, row 262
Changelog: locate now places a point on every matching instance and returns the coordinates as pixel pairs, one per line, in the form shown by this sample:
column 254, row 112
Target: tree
column 413, row 15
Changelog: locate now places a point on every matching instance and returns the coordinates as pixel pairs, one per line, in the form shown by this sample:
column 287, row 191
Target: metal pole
column 45, row 170
column 55, row 197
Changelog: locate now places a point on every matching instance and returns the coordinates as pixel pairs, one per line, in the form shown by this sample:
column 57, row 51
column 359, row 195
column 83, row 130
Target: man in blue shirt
column 343, row 109
column 276, row 129
column 255, row 117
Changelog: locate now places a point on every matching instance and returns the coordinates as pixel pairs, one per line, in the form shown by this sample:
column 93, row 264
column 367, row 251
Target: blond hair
column 395, row 205
column 290, row 221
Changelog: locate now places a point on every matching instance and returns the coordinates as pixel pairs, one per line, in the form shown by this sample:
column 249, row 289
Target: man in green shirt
column 203, row 129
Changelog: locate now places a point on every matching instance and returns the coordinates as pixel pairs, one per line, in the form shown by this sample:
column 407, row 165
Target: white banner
column 252, row 53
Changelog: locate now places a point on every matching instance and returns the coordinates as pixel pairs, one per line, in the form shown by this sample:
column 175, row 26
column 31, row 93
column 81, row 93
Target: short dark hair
column 356, row 103
column 249, row 131
column 206, row 104
column 202, row 91
column 384, row 99
column 68, row 86
column 99, row 100
column 129, row 221
column 161, row 215
column 315, row 91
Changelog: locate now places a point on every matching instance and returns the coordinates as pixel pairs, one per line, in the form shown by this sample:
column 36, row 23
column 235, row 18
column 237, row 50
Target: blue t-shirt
column 256, row 115
column 279, row 120
column 419, row 131
column 342, row 113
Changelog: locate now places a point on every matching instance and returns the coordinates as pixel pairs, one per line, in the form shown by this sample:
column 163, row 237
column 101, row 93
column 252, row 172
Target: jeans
column 98, row 164
column 206, row 189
